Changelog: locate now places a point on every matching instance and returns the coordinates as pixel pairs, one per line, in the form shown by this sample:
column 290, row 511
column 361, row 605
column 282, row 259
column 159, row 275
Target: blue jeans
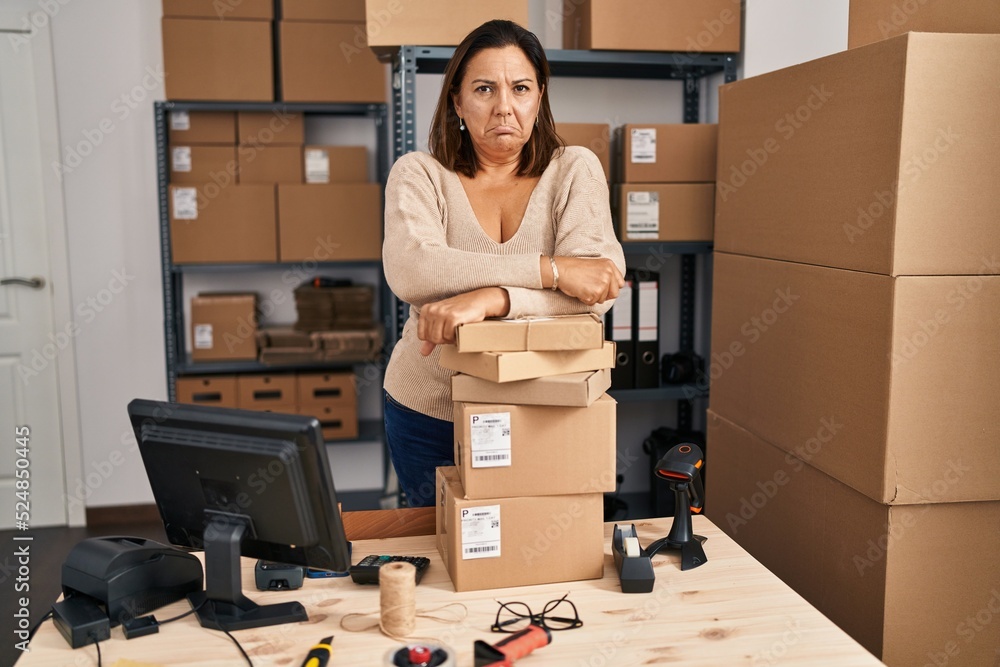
column 417, row 445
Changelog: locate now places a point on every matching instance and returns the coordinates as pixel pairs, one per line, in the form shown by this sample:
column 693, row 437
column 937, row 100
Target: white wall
column 106, row 49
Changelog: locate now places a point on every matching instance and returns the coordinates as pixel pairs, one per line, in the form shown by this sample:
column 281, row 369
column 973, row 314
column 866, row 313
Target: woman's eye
column 521, row 88
column 483, row 89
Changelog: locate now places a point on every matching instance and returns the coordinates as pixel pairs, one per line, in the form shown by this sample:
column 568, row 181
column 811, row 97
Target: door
column 32, row 479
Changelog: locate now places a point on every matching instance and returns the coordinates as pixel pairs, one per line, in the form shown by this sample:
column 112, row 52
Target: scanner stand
column 681, row 536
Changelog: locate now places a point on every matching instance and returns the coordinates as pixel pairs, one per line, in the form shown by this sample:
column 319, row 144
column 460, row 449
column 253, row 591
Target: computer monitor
column 239, row 482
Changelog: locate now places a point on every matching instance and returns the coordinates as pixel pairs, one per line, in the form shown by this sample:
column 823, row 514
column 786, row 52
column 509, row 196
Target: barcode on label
column 482, row 458
column 480, row 550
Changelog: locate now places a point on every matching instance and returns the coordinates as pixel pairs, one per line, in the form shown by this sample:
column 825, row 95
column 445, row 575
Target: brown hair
column 446, row 141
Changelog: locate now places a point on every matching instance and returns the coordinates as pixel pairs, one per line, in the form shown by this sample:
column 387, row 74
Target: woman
column 499, row 220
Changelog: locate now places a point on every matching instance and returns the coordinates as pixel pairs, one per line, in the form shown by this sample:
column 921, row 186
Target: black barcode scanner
column 681, row 466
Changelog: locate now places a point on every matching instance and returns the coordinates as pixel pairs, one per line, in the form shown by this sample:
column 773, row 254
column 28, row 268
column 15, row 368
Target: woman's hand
column 589, row 280
column 438, row 320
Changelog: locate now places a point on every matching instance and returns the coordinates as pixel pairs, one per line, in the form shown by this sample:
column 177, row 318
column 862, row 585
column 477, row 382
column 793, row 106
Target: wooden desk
column 730, row 611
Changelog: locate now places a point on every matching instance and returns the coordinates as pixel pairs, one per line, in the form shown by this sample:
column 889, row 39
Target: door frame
column 40, row 44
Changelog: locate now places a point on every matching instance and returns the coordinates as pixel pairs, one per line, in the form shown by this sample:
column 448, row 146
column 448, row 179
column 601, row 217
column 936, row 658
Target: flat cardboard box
column 327, row 390
column 874, row 20
column 392, row 23
column 666, row 212
column 595, row 136
column 267, row 128
column 791, row 185
column 205, row 59
column 510, row 366
column 201, row 127
column 323, row 10
column 232, row 223
column 328, row 62
column 677, row 153
column 215, row 390
column 222, row 10
column 223, row 326
column 198, row 164
column 337, row 422
column 566, row 332
column 571, row 390
column 688, row 26
column 261, row 392
column 330, row 222
column 270, row 164
column 539, row 540
column 335, row 164
column 886, row 382
column 505, row 451
column 886, row 574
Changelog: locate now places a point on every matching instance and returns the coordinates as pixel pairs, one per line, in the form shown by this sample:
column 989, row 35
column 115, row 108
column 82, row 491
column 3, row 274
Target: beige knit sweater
column 435, row 248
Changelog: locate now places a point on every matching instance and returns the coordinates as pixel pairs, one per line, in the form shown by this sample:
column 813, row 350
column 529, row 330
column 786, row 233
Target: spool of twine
column 397, row 598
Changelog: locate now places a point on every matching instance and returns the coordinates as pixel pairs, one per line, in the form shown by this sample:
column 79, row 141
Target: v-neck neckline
column 479, row 225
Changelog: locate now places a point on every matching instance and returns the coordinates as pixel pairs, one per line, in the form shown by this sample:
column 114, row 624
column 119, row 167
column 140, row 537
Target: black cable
column 98, row 645
column 180, row 616
column 235, row 641
column 46, row 616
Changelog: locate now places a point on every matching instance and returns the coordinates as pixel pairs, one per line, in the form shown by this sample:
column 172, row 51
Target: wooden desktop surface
column 730, row 611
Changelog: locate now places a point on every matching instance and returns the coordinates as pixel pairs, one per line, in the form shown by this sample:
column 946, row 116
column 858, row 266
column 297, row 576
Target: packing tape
column 632, row 547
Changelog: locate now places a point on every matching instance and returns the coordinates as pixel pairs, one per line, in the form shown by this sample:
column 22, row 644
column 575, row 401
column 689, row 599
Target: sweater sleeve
column 419, row 266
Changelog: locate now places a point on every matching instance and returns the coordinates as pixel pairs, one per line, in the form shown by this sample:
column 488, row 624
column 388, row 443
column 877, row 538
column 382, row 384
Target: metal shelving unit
column 691, row 68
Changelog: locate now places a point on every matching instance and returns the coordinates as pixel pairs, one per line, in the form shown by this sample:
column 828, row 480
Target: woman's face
column 499, row 100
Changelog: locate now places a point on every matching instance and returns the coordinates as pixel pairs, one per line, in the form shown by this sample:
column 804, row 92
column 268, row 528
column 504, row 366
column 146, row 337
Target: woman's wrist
column 497, row 302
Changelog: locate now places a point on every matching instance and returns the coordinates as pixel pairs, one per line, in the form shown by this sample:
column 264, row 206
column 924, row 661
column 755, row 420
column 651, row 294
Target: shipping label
column 490, row 441
column 480, row 532
column 644, row 145
column 642, row 216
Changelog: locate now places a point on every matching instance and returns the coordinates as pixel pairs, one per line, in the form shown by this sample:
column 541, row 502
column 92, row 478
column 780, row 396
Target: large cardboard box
column 571, row 390
column 270, row 164
column 212, row 9
column 510, row 366
column 215, row 390
column 504, row 542
column 567, row 332
column 392, row 23
column 328, row 62
column 595, row 136
column 231, row 223
column 201, row 127
column 666, row 212
column 336, row 164
column 205, row 59
column 884, row 383
column 323, row 10
column 914, row 584
column 690, row 26
column 265, row 128
column 199, row 164
column 330, row 222
column 505, row 451
column 791, row 184
column 678, row 153
column 224, row 327
column 264, row 392
column 874, row 20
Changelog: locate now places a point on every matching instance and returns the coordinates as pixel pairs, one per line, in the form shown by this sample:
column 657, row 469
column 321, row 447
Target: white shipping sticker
column 203, row 337
column 480, row 532
column 317, row 166
column 649, row 316
column 185, row 203
column 642, row 215
column 621, row 317
column 180, row 120
column 644, row 146
column 490, row 440
column 181, row 158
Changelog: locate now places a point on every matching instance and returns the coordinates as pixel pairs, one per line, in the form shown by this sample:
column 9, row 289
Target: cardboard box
column 595, row 136
column 337, row 422
column 263, row 392
column 201, row 127
column 267, row 128
column 392, row 23
column 200, row 164
column 690, row 26
column 510, row 366
column 215, row 390
column 571, row 390
column 882, row 381
column 886, row 574
column 211, row 9
column 237, row 224
column 206, row 59
column 666, row 212
column 335, row 164
column 791, row 186
column 328, row 62
column 566, row 332
column 323, row 10
column 330, row 222
column 270, row 164
column 679, row 153
column 327, row 390
column 874, row 20
column 504, row 451
column 534, row 540
column 223, row 326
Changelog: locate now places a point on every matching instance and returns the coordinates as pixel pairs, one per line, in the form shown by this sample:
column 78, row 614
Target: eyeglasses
column 558, row 614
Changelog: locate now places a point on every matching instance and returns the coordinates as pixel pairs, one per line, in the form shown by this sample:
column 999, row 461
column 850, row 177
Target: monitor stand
column 222, row 605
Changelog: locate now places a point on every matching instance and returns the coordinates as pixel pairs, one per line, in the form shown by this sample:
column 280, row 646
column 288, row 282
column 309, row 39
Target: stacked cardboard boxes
column 855, row 363
column 534, row 453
